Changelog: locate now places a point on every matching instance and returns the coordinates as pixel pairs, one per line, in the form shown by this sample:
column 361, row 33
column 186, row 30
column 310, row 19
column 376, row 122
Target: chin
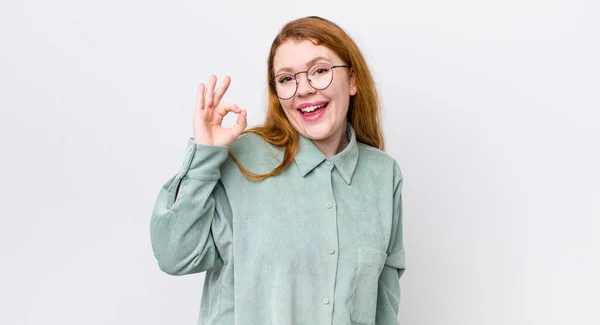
column 317, row 135
column 320, row 131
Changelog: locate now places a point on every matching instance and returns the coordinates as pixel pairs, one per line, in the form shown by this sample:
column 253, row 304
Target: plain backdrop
column 491, row 109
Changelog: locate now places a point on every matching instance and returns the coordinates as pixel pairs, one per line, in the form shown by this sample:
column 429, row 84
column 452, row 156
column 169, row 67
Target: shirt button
column 326, row 301
column 328, row 163
column 331, row 251
column 329, row 205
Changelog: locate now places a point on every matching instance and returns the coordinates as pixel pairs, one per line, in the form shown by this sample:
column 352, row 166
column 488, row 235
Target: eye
column 285, row 79
column 319, row 70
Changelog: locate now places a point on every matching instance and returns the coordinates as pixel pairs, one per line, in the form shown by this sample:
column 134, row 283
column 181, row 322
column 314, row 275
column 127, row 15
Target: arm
column 388, row 296
column 182, row 219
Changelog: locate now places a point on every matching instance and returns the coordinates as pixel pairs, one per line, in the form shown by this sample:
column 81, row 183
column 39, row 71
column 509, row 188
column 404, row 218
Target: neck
column 334, row 144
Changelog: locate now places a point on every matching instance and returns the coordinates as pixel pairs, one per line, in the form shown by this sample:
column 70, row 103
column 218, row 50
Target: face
column 319, row 115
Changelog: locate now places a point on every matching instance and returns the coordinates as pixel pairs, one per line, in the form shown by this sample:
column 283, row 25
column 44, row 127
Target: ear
column 353, row 89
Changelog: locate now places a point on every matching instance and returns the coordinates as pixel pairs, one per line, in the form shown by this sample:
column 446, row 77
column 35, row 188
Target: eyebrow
column 309, row 63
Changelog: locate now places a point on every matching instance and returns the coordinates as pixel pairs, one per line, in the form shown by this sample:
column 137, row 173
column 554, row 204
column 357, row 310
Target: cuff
column 397, row 260
column 202, row 162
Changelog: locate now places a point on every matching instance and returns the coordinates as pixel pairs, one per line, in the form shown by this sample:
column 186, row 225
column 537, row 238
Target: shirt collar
column 309, row 156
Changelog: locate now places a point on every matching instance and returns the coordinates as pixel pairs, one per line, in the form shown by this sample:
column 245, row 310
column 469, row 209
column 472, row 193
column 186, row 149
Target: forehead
column 295, row 55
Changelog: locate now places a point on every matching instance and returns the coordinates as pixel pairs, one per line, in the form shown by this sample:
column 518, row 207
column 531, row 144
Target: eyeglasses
column 319, row 77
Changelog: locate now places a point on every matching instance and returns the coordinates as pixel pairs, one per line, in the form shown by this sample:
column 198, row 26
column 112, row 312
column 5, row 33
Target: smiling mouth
column 312, row 109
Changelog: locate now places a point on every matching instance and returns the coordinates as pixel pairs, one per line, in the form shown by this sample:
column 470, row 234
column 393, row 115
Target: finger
column 200, row 97
column 210, row 91
column 223, row 110
column 227, row 107
column 222, row 89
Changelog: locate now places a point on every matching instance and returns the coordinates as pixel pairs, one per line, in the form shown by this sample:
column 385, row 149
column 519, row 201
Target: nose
column 304, row 87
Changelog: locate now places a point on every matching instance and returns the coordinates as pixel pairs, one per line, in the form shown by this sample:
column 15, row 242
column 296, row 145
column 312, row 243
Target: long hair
column 363, row 111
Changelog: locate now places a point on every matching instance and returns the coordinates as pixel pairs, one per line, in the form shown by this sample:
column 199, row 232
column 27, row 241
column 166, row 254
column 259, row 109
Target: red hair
column 363, row 110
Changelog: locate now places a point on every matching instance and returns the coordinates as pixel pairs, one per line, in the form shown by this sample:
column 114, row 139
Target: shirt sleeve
column 388, row 295
column 183, row 226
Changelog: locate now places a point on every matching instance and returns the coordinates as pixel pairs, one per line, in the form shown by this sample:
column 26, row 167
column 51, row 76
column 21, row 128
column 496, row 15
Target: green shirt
column 320, row 243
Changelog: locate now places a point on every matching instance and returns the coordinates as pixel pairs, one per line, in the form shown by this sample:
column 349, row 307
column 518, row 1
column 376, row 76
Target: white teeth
column 311, row 108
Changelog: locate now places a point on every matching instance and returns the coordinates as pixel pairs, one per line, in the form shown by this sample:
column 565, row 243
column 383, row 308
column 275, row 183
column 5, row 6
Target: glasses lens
column 285, row 85
column 320, row 75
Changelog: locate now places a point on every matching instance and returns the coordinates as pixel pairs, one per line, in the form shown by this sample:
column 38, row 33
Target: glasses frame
column 273, row 83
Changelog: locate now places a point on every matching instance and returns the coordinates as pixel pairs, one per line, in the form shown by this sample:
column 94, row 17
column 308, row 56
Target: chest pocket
column 369, row 265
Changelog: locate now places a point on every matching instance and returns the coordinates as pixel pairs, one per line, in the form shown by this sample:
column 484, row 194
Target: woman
column 299, row 220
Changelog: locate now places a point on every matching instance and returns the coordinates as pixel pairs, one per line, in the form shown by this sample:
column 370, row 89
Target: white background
column 490, row 107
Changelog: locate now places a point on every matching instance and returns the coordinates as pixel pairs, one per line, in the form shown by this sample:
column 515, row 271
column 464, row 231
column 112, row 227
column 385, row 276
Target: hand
column 209, row 115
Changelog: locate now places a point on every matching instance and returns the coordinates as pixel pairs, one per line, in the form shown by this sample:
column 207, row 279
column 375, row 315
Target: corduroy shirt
column 320, row 243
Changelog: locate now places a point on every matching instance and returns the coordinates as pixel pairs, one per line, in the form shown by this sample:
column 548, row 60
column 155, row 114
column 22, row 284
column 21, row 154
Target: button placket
column 330, row 203
column 330, row 214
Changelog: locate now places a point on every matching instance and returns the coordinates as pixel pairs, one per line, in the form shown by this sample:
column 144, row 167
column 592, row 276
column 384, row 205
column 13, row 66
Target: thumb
column 240, row 123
